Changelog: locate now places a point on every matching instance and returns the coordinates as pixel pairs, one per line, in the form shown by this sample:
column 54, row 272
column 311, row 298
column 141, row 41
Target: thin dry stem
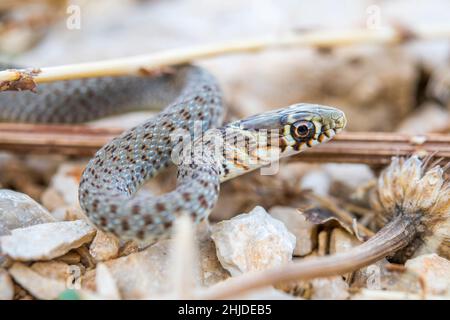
column 184, row 255
column 375, row 148
column 145, row 63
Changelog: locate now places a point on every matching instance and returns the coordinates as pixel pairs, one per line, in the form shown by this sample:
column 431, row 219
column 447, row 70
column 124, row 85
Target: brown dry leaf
column 326, row 219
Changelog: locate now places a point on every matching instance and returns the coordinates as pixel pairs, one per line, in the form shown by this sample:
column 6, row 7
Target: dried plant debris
column 411, row 195
column 420, row 194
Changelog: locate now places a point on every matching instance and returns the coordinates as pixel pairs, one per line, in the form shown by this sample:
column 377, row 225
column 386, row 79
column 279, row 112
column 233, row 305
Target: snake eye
column 302, row 130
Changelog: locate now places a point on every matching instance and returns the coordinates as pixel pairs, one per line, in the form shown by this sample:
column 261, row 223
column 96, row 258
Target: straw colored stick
column 146, row 63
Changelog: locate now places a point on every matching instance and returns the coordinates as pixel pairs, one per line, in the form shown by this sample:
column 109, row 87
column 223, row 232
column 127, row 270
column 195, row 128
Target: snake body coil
column 191, row 95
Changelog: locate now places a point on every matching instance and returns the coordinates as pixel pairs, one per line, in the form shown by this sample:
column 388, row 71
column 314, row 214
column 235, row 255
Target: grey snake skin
column 188, row 96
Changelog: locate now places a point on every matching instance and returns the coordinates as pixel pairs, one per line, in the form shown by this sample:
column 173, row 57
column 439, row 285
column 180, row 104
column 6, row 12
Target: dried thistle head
column 418, row 193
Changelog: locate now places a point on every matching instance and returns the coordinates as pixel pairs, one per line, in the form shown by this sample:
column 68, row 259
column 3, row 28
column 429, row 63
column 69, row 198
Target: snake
column 188, row 130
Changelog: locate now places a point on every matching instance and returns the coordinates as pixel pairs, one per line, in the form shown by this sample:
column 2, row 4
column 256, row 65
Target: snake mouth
column 331, row 128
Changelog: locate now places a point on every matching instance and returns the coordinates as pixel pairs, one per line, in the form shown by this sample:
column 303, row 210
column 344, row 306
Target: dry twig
column 374, row 148
column 145, row 63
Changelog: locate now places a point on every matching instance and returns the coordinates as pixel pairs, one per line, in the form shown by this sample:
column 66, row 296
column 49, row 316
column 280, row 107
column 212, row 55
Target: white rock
column 68, row 213
column 6, row 286
column 104, row 246
column 17, row 210
column 145, row 274
column 318, row 181
column 105, row 283
column 296, row 223
column 46, row 241
column 434, row 269
column 429, row 117
column 352, row 175
column 253, row 241
column 39, row 286
column 334, row 288
column 52, row 269
column 67, row 180
column 52, row 199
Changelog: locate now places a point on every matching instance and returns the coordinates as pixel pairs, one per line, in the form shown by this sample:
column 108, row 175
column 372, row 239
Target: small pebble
column 104, row 247
column 435, row 271
column 39, row 286
column 253, row 241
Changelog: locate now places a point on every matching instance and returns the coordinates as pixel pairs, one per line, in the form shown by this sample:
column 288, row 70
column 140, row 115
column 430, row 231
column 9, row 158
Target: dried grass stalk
column 144, row 64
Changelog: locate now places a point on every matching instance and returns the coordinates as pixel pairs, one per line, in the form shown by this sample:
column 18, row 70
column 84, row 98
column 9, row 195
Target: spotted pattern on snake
column 108, row 187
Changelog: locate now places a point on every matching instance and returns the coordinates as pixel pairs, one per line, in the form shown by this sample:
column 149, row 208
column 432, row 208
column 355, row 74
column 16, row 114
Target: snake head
column 296, row 127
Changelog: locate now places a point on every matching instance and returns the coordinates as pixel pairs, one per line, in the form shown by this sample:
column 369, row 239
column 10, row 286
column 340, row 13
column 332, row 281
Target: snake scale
column 191, row 100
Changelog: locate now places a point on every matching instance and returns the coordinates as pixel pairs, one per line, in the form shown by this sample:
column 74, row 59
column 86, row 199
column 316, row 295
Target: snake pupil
column 302, row 130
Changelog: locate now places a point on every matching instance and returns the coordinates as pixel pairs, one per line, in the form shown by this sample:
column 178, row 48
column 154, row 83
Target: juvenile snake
column 190, row 95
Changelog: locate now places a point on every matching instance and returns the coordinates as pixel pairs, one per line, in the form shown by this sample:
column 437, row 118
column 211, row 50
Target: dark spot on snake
column 160, row 207
column 140, row 234
column 125, row 225
column 103, row 221
column 186, row 196
column 135, row 209
column 113, row 208
column 148, row 220
column 167, row 224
